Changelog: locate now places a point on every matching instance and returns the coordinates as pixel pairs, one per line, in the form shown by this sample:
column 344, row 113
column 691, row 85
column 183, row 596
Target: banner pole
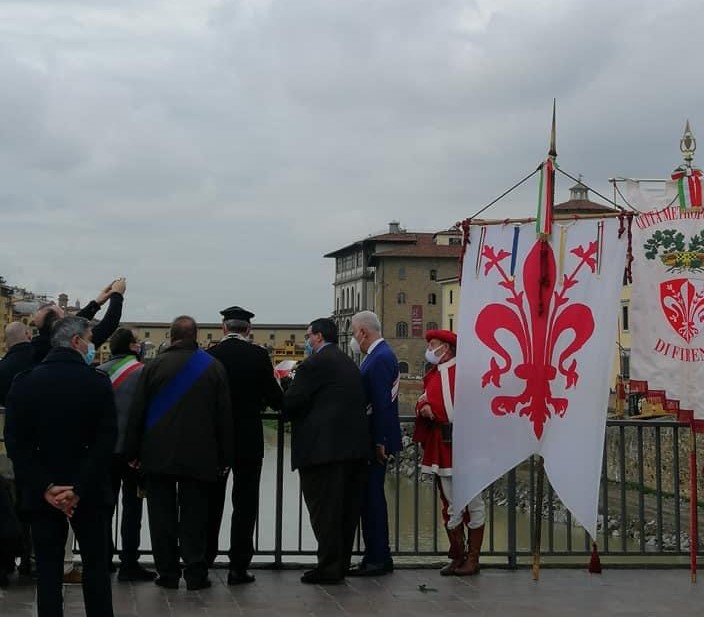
column 693, row 532
column 538, row 518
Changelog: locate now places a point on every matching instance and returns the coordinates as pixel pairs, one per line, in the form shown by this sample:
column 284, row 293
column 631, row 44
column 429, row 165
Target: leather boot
column 456, row 552
column 474, row 546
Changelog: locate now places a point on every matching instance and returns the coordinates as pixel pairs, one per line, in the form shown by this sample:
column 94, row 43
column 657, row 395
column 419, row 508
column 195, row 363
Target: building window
column 347, row 297
column 358, row 300
column 403, row 368
column 292, row 338
column 272, row 336
column 452, row 324
column 146, row 334
column 452, row 295
column 210, row 336
column 625, row 365
column 401, row 329
column 337, row 304
column 359, row 259
column 431, row 325
column 624, row 317
column 401, row 297
column 432, row 299
column 402, row 273
column 433, row 275
column 455, row 241
column 251, row 337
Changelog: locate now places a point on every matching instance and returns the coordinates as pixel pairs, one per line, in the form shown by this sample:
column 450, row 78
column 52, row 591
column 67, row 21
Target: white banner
column 534, row 361
column 667, row 299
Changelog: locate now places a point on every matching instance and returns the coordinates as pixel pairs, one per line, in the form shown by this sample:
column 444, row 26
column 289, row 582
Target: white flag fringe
column 534, row 361
column 667, row 300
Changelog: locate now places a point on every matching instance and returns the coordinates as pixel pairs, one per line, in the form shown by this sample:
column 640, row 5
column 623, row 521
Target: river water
column 412, row 529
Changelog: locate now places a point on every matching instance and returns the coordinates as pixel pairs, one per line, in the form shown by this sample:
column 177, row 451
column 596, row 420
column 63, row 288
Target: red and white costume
column 439, row 388
column 439, row 393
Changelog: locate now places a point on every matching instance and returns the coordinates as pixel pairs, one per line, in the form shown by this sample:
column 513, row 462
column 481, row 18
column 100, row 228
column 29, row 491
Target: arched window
column 401, row 329
column 432, row 299
column 401, row 297
column 433, row 275
column 347, row 298
column 358, row 300
column 403, row 368
column 431, row 325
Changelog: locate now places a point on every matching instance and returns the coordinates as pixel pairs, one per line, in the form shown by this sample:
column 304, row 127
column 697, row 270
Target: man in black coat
column 180, row 430
column 253, row 388
column 19, row 356
column 330, row 445
column 60, row 432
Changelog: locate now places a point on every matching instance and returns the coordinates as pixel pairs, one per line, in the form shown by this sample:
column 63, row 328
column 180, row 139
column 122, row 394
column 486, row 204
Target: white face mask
column 432, row 357
column 354, row 345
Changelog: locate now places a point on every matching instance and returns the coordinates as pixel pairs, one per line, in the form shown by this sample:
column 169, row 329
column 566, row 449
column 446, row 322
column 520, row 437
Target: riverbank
column 634, row 527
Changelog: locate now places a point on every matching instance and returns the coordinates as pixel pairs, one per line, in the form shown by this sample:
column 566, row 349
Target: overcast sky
column 213, row 151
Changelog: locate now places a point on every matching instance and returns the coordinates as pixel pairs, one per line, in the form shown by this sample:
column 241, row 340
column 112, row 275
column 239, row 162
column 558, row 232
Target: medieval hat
column 446, row 336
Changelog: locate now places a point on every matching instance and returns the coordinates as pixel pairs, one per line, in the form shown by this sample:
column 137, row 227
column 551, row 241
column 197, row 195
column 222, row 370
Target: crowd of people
column 174, row 429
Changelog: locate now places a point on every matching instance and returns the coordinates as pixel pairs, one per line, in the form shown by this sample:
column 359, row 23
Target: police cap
column 237, row 312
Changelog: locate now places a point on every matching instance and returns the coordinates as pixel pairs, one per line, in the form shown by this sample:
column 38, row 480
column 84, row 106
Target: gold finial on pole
column 688, row 144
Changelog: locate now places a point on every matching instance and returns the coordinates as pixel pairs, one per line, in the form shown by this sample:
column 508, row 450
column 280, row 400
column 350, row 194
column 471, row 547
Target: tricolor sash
column 119, row 371
column 172, row 392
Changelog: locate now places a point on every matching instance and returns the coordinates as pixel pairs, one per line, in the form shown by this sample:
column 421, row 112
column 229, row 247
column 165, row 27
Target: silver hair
column 65, row 329
column 15, row 332
column 367, row 319
column 237, row 325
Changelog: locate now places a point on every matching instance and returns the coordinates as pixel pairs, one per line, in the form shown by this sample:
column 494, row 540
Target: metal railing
column 644, row 506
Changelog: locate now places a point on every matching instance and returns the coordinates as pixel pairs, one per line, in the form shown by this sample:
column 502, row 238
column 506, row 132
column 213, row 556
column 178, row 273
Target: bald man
column 19, row 357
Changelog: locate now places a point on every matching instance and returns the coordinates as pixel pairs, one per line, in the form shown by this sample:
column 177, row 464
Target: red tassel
column 595, row 562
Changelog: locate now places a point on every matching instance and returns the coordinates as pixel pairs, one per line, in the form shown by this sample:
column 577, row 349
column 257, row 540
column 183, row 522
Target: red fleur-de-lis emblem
column 538, row 316
column 682, row 302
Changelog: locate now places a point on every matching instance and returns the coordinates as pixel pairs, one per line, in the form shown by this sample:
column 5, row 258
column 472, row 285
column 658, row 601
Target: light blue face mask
column 307, row 347
column 89, row 356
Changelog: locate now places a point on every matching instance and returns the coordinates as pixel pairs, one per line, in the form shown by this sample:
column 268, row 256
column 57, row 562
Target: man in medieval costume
column 434, row 416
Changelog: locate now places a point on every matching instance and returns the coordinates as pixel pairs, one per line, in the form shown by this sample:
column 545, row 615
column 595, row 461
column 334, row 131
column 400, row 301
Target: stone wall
column 671, row 440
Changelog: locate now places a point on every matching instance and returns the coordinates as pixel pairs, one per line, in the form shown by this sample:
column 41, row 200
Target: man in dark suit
column 19, row 356
column 60, row 433
column 180, row 430
column 329, row 446
column 252, row 389
column 381, row 377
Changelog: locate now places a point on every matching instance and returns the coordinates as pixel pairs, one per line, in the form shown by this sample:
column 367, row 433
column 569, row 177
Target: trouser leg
column 245, row 505
column 216, row 505
column 322, row 487
column 131, row 524
column 162, row 509
column 92, row 526
column 375, row 520
column 355, row 481
column 49, row 530
column 193, row 518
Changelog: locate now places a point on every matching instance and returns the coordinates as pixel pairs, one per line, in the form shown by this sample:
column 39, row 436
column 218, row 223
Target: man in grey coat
column 124, row 369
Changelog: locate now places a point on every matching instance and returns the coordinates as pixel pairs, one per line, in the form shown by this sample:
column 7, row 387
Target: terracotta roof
column 423, row 247
column 402, row 238
column 575, row 206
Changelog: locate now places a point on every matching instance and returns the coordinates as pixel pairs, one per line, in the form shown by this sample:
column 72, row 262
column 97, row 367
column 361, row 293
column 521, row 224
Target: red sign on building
column 417, row 320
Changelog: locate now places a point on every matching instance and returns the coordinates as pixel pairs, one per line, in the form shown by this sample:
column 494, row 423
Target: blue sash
column 177, row 387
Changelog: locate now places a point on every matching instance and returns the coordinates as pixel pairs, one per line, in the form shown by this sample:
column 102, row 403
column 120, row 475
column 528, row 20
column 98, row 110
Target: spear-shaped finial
column 688, row 145
column 552, row 153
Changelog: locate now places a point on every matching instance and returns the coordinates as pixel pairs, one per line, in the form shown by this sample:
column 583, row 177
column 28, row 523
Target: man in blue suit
column 380, row 374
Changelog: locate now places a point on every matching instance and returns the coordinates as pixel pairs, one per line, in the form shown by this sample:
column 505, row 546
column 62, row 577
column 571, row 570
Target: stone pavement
column 407, row 593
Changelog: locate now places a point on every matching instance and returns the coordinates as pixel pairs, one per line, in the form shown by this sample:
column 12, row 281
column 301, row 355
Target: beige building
column 284, row 341
column 396, row 275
